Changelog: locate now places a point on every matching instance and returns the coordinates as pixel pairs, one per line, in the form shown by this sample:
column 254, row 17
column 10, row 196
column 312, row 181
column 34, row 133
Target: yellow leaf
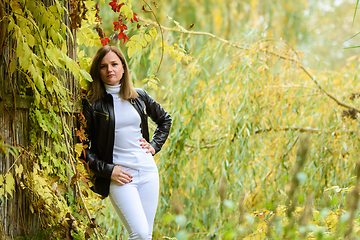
column 9, row 183
column 12, row 66
column 19, row 169
column 31, row 208
column 131, row 51
column 53, row 35
column 153, row 32
column 52, row 9
column 30, row 40
column 148, row 37
column 143, row 42
column 80, row 54
column 129, row 43
column 331, row 221
column 49, row 82
column 127, row 11
column 138, row 46
column 85, row 75
column 135, row 38
column 78, row 148
column 15, row 7
column 89, row 4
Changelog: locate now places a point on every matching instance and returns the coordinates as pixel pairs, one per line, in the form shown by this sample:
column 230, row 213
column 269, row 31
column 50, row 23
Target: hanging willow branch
column 162, row 38
column 236, row 45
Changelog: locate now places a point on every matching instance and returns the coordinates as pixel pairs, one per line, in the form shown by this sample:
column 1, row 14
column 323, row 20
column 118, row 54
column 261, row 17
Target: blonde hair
column 96, row 88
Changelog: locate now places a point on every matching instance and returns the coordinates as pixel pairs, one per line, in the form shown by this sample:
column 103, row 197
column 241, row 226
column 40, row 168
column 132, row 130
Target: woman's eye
column 102, row 67
column 114, row 64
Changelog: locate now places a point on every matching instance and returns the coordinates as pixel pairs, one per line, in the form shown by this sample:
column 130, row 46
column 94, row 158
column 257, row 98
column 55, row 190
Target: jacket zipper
column 106, row 115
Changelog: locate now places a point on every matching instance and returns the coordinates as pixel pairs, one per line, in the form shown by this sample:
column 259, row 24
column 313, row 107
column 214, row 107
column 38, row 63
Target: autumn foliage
column 262, row 145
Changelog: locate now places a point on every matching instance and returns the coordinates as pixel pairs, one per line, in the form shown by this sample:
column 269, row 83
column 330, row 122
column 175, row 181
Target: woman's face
column 111, row 69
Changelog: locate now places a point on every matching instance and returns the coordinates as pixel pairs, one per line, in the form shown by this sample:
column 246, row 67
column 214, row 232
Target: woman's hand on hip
column 120, row 176
column 144, row 144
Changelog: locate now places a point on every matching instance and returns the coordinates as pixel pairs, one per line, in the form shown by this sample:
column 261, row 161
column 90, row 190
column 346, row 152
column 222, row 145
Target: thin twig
column 303, row 129
column 327, row 93
column 291, row 86
column 288, row 151
column 195, row 33
column 17, row 224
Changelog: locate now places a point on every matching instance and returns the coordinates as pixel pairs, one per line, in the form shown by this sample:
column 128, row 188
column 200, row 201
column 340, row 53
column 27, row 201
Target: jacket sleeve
column 99, row 167
column 162, row 119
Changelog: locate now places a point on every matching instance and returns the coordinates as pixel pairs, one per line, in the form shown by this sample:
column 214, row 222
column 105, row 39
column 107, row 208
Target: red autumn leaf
column 134, row 18
column 104, row 41
column 114, row 6
column 125, row 39
column 123, row 27
column 81, row 134
column 122, row 4
column 116, row 26
column 123, row 36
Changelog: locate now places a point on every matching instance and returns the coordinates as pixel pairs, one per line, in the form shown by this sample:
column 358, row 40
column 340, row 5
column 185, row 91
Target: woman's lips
column 110, row 75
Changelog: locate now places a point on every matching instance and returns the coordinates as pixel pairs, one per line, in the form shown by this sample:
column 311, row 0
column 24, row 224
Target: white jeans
column 136, row 202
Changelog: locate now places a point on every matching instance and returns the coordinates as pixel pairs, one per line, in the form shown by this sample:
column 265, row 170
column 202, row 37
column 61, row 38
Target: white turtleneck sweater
column 127, row 150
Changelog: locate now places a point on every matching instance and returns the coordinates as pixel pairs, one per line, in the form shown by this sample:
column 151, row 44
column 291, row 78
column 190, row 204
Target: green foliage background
column 240, row 107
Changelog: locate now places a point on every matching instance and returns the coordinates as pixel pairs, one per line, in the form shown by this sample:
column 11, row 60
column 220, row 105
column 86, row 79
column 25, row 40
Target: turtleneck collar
column 112, row 89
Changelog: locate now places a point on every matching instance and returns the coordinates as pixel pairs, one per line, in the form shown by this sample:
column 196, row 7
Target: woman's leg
column 136, row 203
column 149, row 195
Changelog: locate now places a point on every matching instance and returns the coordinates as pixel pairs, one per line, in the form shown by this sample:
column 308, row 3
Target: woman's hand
column 144, row 144
column 120, row 176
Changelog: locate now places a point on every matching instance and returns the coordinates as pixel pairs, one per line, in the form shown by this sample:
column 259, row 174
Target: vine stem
column 162, row 38
column 72, row 160
column 297, row 62
column 17, row 224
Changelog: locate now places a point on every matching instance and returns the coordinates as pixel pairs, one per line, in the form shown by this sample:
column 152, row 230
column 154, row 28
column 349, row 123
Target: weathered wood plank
column 22, row 102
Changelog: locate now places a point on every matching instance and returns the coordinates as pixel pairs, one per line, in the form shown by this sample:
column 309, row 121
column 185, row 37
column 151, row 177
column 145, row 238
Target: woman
column 118, row 149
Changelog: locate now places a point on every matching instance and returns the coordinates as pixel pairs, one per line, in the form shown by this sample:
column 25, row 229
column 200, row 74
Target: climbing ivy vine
column 39, row 41
column 41, row 37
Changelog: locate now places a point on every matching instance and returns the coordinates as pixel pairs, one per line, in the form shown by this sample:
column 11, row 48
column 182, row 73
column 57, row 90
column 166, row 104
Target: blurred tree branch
column 236, row 45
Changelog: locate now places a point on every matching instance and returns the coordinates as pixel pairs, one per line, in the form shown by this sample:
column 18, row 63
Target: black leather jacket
column 100, row 132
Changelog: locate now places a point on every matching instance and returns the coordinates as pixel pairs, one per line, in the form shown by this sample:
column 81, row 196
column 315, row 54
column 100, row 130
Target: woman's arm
column 162, row 119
